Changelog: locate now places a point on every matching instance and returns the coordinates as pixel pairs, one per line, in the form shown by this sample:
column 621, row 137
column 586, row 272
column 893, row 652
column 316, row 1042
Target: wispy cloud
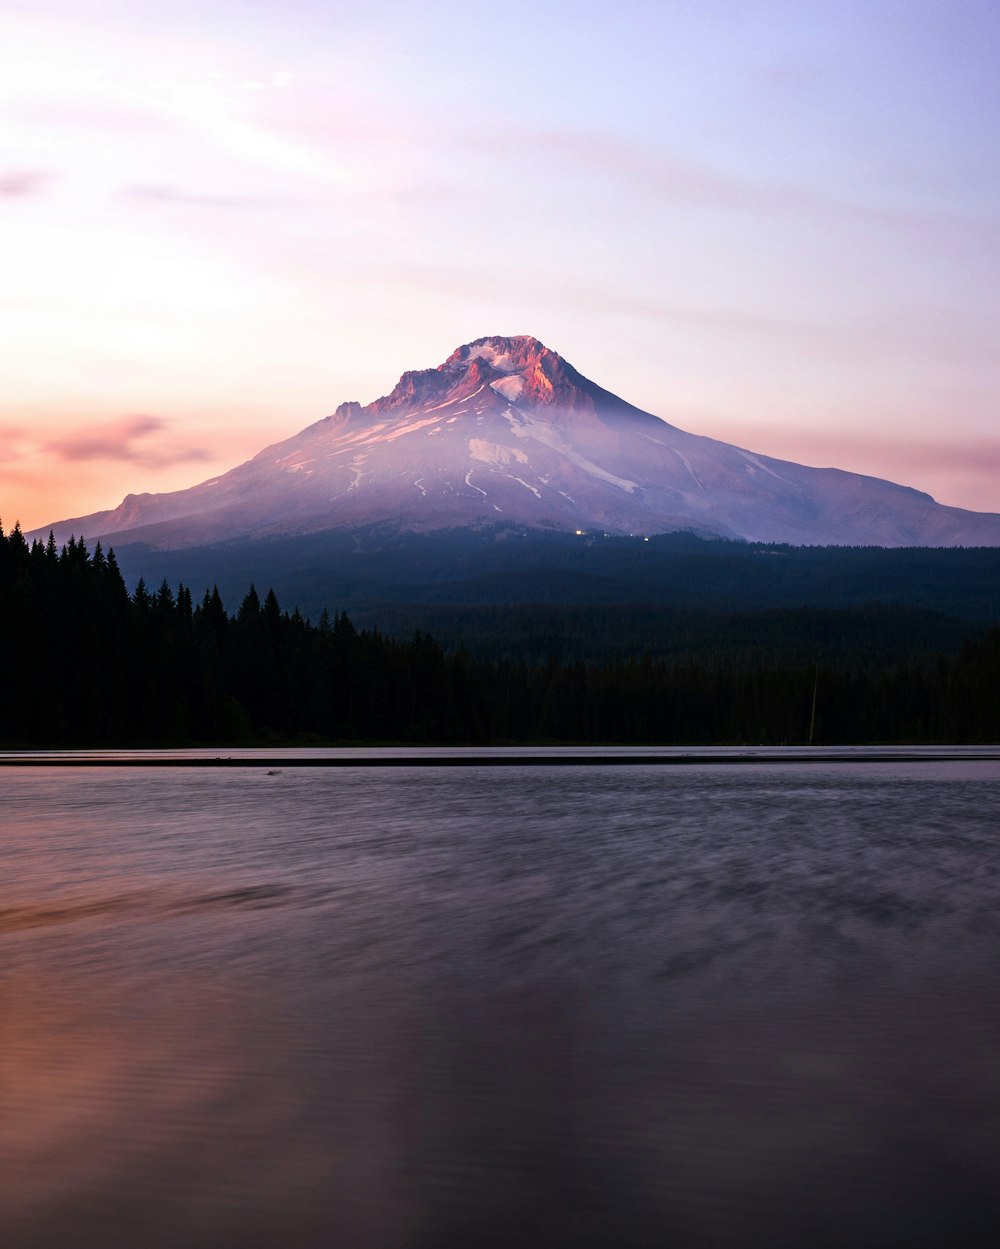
column 133, row 439
column 153, row 194
column 673, row 178
column 20, row 183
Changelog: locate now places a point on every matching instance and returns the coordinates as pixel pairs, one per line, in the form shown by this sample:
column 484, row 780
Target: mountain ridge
column 507, row 430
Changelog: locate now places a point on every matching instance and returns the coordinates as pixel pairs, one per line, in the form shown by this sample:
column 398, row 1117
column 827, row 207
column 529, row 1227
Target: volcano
column 505, row 430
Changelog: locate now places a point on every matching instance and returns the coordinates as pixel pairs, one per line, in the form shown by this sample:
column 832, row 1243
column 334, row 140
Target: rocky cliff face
column 505, row 429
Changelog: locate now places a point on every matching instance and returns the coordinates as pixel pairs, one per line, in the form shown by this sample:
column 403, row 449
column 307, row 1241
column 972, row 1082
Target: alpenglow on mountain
column 506, row 430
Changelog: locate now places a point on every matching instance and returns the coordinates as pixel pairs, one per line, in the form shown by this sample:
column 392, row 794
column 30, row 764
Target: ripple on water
column 428, row 1008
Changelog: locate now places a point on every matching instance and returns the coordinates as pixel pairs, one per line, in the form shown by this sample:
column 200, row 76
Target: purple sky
column 778, row 224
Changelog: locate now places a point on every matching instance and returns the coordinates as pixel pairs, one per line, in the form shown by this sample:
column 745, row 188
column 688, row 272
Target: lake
column 598, row 1004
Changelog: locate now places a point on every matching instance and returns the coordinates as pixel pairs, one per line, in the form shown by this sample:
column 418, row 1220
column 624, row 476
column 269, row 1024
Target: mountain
column 506, row 431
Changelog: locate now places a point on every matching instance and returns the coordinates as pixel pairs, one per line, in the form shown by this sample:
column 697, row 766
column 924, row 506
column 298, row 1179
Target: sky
column 774, row 223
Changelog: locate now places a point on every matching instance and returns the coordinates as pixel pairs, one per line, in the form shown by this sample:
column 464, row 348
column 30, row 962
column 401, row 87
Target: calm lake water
column 422, row 1008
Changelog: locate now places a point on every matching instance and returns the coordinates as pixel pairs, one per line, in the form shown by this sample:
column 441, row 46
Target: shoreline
column 475, row 758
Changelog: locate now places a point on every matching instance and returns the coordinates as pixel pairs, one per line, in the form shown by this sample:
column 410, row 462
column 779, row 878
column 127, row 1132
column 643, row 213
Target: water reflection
column 578, row 1011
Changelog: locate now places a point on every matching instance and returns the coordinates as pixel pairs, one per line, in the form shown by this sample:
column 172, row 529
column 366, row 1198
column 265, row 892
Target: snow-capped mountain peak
column 517, row 369
column 506, row 430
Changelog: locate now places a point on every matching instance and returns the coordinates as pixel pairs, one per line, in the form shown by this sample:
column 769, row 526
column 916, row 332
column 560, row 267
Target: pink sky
column 776, row 227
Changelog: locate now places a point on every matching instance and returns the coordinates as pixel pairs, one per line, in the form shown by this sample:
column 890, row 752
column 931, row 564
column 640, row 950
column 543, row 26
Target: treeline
column 86, row 663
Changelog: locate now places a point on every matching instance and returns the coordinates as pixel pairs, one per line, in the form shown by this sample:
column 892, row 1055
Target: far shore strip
column 476, row 760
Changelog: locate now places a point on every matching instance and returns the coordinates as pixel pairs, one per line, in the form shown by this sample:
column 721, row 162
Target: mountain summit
column 507, row 430
column 518, row 370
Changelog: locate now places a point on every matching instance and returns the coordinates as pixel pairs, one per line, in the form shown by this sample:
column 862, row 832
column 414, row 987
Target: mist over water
column 493, row 1006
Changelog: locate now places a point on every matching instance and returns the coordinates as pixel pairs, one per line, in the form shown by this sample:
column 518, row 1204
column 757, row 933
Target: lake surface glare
column 427, row 1008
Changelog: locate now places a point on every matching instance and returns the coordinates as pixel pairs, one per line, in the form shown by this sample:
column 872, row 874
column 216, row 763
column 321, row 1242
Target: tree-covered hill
column 365, row 570
column 87, row 663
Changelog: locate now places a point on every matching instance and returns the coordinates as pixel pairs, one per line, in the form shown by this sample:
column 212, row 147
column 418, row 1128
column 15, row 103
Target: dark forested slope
column 505, row 566
column 86, row 663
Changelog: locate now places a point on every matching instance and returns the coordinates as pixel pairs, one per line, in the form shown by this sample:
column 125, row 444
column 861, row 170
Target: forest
column 379, row 570
column 90, row 664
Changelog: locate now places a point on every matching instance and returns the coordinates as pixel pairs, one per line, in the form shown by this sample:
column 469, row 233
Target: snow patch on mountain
column 527, row 485
column 400, row 431
column 525, row 425
column 510, row 387
column 497, row 358
column 493, row 453
column 755, row 463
